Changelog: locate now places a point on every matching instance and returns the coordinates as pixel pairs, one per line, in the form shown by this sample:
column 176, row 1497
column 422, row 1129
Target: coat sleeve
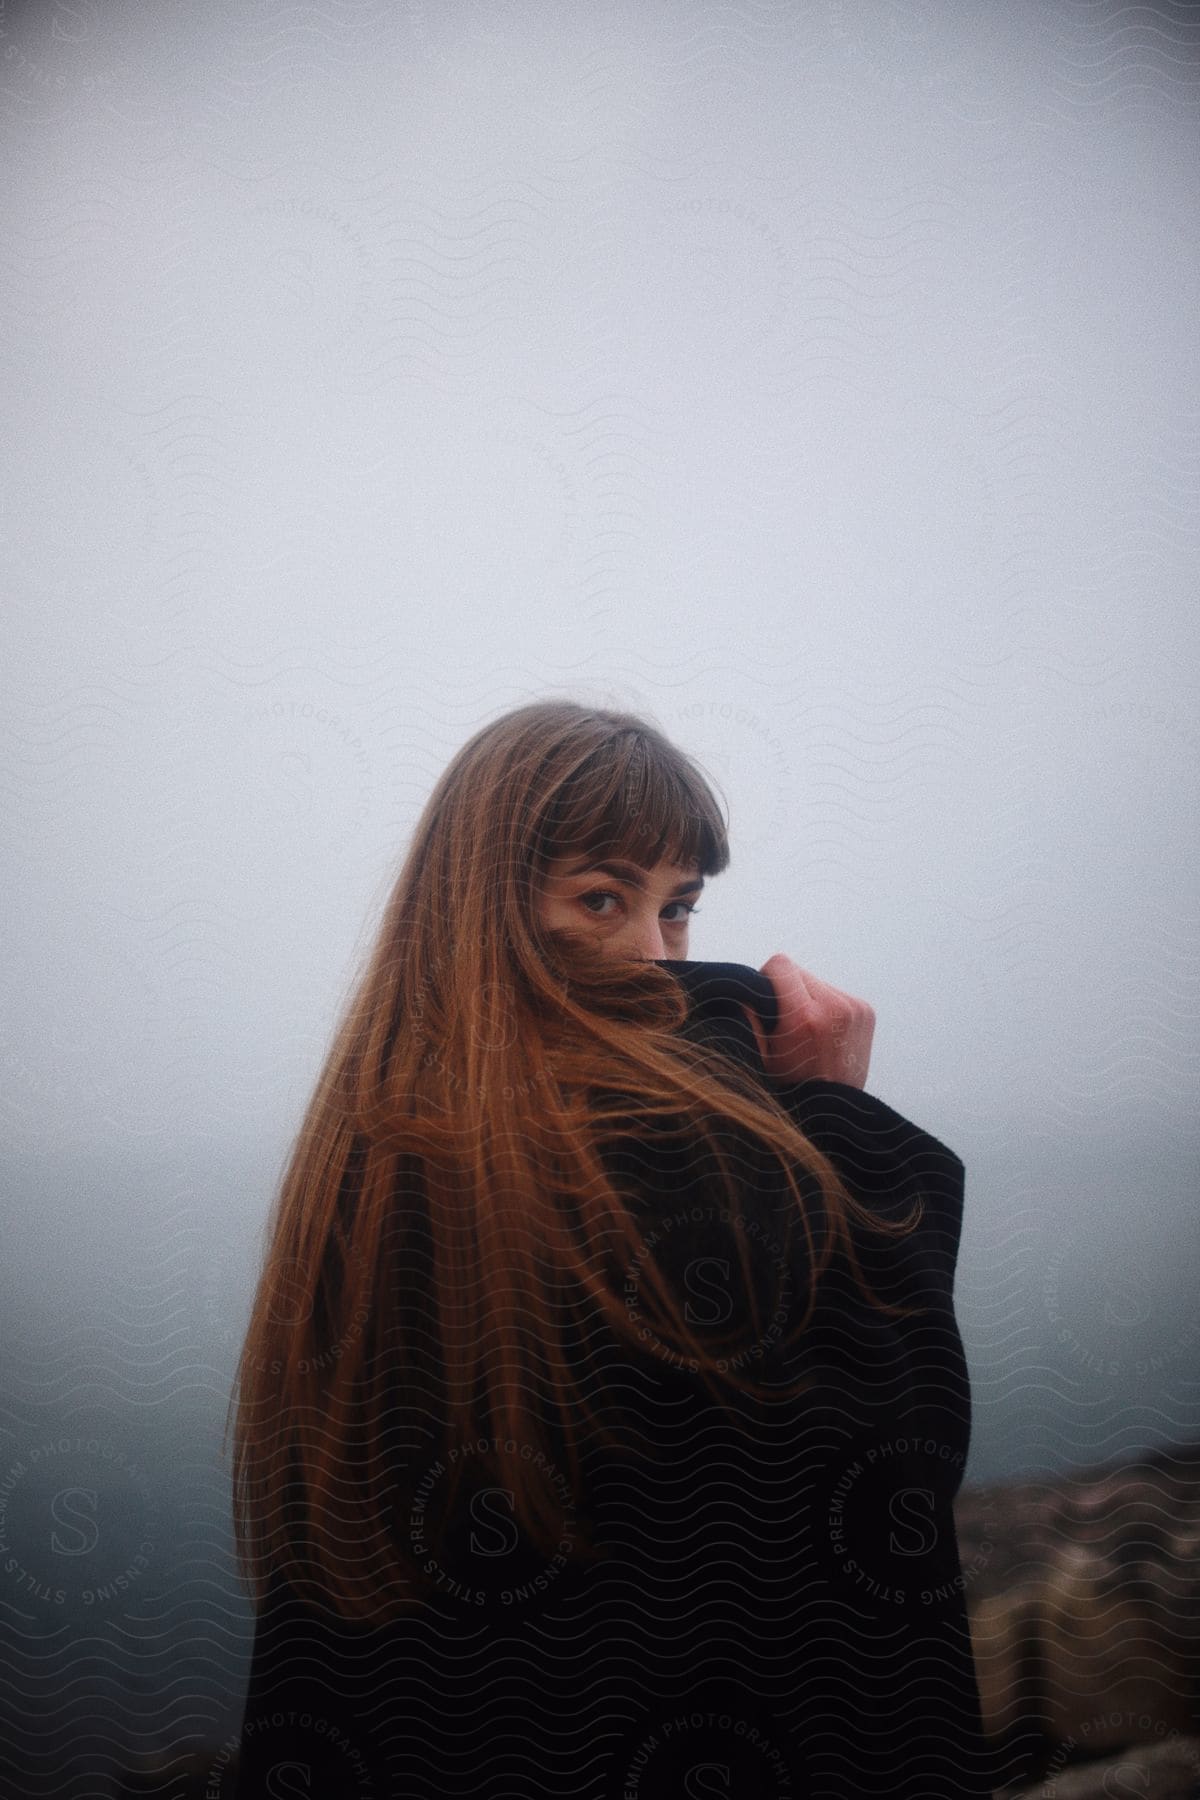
column 877, row 1446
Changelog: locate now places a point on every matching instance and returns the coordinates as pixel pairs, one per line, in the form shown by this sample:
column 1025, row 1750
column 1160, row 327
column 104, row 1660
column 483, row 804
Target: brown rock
column 1084, row 1602
column 1169, row 1770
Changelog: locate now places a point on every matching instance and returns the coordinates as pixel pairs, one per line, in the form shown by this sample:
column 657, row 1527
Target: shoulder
column 866, row 1127
column 718, row 994
column 862, row 1128
column 886, row 1159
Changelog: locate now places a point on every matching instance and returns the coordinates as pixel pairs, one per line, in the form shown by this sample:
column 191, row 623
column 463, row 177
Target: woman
column 602, row 1404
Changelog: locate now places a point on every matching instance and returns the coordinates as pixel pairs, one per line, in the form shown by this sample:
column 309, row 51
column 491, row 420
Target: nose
column 648, row 942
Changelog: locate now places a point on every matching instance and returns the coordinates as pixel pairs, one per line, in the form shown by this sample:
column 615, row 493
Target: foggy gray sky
column 818, row 379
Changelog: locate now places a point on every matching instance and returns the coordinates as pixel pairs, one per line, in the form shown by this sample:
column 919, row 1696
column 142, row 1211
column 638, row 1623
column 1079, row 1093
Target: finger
column 786, row 975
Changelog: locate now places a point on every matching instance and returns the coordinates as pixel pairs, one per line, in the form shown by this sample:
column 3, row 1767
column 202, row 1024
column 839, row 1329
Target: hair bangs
column 637, row 797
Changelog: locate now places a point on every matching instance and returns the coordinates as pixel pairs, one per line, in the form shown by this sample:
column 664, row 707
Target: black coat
column 784, row 1612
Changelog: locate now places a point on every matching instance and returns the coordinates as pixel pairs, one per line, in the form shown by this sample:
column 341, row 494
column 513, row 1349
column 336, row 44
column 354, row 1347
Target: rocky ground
column 1084, row 1600
column 1166, row 1771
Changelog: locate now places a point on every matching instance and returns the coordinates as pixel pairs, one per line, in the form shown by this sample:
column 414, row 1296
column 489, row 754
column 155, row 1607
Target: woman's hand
column 821, row 1033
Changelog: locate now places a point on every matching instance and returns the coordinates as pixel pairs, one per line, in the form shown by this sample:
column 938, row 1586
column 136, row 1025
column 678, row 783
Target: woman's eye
column 596, row 894
column 601, row 894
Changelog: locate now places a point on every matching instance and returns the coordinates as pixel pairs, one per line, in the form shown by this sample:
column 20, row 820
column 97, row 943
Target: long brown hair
column 454, row 1140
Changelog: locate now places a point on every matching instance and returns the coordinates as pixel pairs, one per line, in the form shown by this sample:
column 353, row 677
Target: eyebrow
column 631, row 875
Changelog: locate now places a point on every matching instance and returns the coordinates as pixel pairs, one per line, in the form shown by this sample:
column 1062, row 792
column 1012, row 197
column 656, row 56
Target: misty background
column 818, row 380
